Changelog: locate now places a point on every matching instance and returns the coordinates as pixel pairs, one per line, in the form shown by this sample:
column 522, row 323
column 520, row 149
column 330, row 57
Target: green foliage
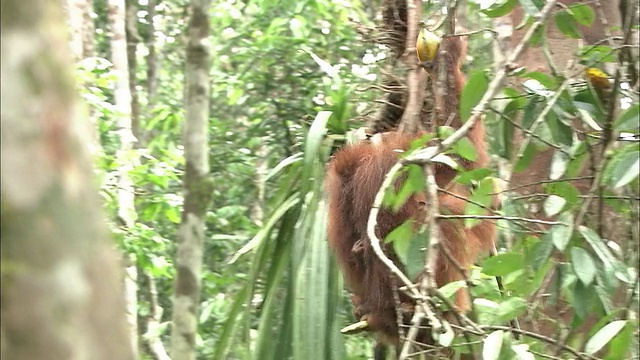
column 472, row 92
column 286, row 87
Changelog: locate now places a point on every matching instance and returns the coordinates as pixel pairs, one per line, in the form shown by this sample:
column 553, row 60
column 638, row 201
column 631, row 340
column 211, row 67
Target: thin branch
column 529, row 132
column 543, row 182
column 500, row 217
column 540, row 119
column 373, row 237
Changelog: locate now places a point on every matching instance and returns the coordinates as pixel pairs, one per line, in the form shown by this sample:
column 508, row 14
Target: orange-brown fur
column 354, row 177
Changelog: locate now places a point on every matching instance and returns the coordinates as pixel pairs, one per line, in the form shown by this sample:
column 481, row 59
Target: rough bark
column 60, row 282
column 122, row 97
column 81, row 28
column 197, row 186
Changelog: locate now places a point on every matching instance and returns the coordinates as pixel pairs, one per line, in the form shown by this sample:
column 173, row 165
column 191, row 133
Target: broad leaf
column 583, row 265
column 582, row 13
column 472, row 92
column 502, row 264
column 566, row 24
column 492, row 346
column 629, row 120
column 603, row 336
column 553, row 204
column 500, row 9
column 561, row 234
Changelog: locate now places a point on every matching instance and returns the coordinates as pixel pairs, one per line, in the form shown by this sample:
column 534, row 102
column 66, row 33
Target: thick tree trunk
column 61, row 295
column 197, row 186
column 122, row 95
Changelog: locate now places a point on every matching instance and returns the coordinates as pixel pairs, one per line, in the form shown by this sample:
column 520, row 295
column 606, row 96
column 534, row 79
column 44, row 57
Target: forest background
column 239, row 104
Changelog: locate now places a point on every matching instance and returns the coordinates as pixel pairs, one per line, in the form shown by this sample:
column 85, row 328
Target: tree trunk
column 81, row 29
column 151, row 57
column 61, row 295
column 131, row 23
column 122, row 96
column 197, row 186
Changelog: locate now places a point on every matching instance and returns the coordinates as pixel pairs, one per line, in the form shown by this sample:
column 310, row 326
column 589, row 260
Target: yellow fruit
column 427, row 45
column 597, row 78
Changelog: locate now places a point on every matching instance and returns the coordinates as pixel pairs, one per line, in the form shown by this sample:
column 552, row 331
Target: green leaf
column 525, row 160
column 401, row 238
column 286, row 162
column 299, row 27
column 172, row 214
column 626, row 169
column 547, row 81
column 472, row 93
column 580, row 153
column 414, row 261
column 566, row 24
column 468, row 177
column 582, row 13
column 564, row 190
column 629, row 120
column 553, row 204
column 502, row 264
column 597, row 54
column 531, row 110
column 583, row 265
column 559, row 163
column 465, row 149
column 530, row 7
column 541, row 253
column 450, row 289
column 561, row 234
column 446, row 160
column 412, row 184
column 506, row 128
column 500, row 9
column 621, row 344
column 604, row 254
column 511, row 308
column 603, row 336
column 492, row 346
column 538, row 36
column 481, row 195
column 561, row 133
column 581, row 300
column 522, row 352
